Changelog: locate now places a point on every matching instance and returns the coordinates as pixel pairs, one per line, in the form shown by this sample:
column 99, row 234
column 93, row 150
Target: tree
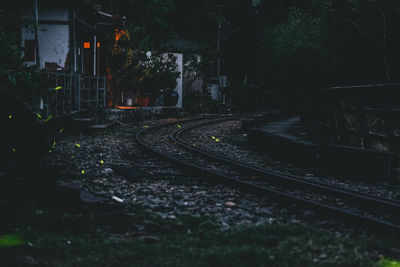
column 140, row 72
column 147, row 20
column 372, row 19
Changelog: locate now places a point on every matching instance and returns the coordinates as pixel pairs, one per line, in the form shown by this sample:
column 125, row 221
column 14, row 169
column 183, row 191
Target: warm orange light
column 86, row 44
column 119, row 34
column 126, row 107
column 98, row 44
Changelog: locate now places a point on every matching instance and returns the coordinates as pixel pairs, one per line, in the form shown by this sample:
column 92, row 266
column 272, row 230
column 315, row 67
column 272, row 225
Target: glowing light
column 38, row 115
column 213, row 137
column 98, row 44
column 54, row 144
column 388, row 263
column 50, row 151
column 61, row 130
column 72, row 156
column 179, row 126
column 217, row 140
column 119, row 34
column 146, row 126
column 48, row 118
column 101, row 161
column 58, row 88
column 78, row 145
column 9, row 116
column 13, row 149
column 12, row 240
column 83, row 171
column 126, row 107
column 117, row 199
column 86, row 44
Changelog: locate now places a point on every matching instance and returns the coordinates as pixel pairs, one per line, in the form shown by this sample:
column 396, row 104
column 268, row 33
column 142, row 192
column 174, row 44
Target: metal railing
column 366, row 115
column 77, row 92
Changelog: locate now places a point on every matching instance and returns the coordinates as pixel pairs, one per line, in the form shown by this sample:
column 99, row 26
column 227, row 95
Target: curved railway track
column 340, row 204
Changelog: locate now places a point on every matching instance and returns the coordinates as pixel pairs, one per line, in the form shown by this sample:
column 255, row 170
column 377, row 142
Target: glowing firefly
column 12, row 240
column 48, row 118
column 57, row 88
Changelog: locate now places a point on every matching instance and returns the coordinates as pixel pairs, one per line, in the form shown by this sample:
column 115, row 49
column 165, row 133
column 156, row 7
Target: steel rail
column 279, row 177
column 214, row 176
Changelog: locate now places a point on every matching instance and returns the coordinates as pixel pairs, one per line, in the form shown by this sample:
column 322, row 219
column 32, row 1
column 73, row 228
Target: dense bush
column 140, row 72
column 25, row 138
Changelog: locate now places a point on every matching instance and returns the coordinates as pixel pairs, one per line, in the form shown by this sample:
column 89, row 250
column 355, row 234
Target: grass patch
column 56, row 238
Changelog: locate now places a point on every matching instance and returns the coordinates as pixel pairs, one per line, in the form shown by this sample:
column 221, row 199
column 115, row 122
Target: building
column 68, row 44
column 186, row 52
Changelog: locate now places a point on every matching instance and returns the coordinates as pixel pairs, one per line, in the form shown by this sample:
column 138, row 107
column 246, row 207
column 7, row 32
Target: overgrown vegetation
column 53, row 238
column 138, row 71
column 287, row 46
column 25, row 137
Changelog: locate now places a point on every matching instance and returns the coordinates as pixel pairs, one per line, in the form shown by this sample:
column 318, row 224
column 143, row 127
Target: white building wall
column 179, row 80
column 178, row 89
column 214, row 91
column 54, row 44
column 53, row 38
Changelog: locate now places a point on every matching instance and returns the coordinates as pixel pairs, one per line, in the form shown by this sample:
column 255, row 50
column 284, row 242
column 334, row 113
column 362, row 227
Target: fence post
column 97, row 92
column 389, row 126
column 334, row 127
column 366, row 142
column 78, row 91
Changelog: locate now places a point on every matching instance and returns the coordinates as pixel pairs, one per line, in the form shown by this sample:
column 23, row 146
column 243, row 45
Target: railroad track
column 340, row 204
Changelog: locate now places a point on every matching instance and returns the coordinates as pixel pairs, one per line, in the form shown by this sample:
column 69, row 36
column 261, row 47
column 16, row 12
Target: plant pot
column 142, row 101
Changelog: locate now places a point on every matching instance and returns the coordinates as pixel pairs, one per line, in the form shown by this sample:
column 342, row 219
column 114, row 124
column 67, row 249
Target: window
column 30, row 50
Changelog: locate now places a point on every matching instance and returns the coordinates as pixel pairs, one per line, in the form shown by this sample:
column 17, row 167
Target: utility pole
column 219, row 55
column 94, row 55
column 36, row 18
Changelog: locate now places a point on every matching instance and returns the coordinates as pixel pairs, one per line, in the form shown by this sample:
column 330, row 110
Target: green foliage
column 24, row 138
column 11, row 240
column 16, row 79
column 147, row 20
column 313, row 44
column 95, row 239
column 141, row 72
column 202, row 103
column 388, row 263
column 160, row 74
column 298, row 50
